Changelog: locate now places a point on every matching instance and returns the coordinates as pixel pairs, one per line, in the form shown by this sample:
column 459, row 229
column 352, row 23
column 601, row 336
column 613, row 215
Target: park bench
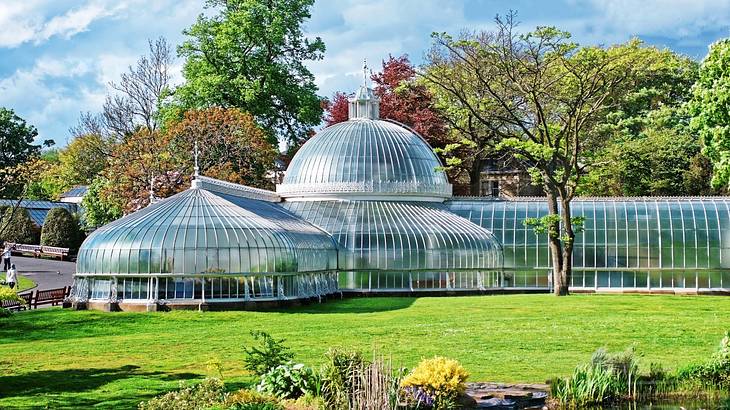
column 50, row 296
column 38, row 250
column 55, row 251
column 13, row 305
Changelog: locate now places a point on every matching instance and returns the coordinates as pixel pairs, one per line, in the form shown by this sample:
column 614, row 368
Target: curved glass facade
column 206, row 245
column 405, row 245
column 365, row 156
column 627, row 243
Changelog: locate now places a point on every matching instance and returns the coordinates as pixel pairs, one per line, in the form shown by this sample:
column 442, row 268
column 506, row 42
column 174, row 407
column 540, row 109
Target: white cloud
column 26, row 21
column 670, row 18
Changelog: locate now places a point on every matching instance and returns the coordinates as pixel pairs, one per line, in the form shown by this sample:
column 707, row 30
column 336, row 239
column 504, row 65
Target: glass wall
column 626, row 243
column 400, row 236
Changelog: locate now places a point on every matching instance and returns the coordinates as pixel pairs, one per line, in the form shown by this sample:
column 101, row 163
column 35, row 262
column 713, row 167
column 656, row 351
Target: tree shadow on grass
column 353, row 305
column 66, row 388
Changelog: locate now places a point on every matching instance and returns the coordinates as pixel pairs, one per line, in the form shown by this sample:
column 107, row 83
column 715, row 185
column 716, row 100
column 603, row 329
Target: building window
column 494, row 188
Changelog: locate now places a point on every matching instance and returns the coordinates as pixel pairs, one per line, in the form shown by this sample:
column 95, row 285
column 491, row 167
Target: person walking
column 11, row 278
column 7, row 252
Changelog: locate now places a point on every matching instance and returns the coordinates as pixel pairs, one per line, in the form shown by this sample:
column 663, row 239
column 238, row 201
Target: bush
column 271, row 353
column 306, row 402
column 7, row 294
column 607, row 377
column 60, row 229
column 435, row 383
column 714, row 373
column 198, row 397
column 246, row 399
column 20, row 229
column 289, row 381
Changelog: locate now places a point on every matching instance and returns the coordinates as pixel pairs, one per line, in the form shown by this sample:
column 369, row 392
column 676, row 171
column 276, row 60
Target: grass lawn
column 62, row 358
column 23, row 282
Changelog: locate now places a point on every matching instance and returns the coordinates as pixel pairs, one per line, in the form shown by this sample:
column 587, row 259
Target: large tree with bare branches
column 538, row 96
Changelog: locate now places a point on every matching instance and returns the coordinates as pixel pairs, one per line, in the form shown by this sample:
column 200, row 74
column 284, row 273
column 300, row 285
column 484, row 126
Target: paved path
column 47, row 273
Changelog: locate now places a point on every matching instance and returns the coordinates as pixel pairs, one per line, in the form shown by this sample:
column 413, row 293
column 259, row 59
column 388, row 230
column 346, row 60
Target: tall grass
column 606, row 378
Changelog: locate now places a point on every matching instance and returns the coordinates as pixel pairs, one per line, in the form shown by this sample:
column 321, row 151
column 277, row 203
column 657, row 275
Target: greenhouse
column 363, row 208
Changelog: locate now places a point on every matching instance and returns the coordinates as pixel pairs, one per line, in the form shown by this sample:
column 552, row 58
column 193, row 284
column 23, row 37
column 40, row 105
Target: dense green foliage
column 649, row 148
column 19, row 228
column 270, row 354
column 196, row 397
column 288, row 381
column 60, row 229
column 63, row 358
column 16, row 139
column 710, row 109
column 98, row 209
column 252, row 55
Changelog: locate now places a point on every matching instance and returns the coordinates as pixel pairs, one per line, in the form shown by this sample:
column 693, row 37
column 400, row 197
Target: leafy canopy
column 252, row 55
column 710, row 109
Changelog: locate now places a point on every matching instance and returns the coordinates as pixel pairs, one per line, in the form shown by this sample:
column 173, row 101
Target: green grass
column 23, row 282
column 64, row 358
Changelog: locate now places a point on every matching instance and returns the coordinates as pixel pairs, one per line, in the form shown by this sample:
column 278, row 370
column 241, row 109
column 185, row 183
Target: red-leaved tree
column 405, row 101
column 335, row 110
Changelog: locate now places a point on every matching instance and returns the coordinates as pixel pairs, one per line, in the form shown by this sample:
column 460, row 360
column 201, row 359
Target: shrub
column 60, row 229
column 606, row 377
column 246, row 399
column 289, row 381
column 306, row 402
column 435, row 383
column 271, row 353
column 10, row 295
column 337, row 374
column 714, row 373
column 206, row 394
column 20, row 229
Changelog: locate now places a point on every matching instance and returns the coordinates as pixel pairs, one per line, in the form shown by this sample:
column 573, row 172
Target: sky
column 57, row 57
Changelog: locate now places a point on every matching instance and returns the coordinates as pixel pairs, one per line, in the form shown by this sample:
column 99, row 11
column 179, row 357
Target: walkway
column 47, row 273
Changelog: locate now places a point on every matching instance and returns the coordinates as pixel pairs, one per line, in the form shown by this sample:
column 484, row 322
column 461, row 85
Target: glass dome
column 203, row 232
column 365, row 157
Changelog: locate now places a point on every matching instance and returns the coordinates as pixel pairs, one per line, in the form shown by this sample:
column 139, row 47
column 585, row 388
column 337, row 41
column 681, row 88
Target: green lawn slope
column 71, row 359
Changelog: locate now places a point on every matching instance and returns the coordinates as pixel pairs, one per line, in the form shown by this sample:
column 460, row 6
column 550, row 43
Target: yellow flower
column 438, row 376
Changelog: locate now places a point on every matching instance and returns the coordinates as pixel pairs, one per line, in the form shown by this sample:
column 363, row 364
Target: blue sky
column 57, row 57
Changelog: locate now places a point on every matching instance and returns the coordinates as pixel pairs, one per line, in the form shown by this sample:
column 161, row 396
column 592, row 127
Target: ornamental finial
column 196, row 169
column 365, row 73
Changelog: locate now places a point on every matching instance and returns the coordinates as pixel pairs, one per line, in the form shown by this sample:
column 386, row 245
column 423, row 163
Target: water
column 687, row 404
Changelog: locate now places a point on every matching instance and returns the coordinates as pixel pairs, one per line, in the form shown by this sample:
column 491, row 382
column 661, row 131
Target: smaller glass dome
column 199, row 232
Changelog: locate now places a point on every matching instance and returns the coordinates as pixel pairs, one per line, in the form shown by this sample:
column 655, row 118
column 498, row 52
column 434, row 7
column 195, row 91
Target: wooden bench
column 14, row 305
column 50, row 296
column 35, row 298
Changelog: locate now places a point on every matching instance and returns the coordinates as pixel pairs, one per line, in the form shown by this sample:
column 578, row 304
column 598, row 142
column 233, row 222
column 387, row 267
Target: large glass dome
column 365, row 157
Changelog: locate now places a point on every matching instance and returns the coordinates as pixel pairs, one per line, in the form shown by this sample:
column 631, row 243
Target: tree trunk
column 555, row 245
column 568, row 241
column 475, row 178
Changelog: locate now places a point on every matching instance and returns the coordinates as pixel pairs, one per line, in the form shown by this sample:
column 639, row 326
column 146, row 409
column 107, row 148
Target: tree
column 60, row 229
column 404, row 100
column 452, row 80
column 663, row 162
column 16, row 139
column 337, row 109
column 136, row 101
column 252, row 55
column 19, row 228
column 83, row 159
column 99, row 208
column 710, row 109
column 541, row 95
column 232, row 146
column 649, row 144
